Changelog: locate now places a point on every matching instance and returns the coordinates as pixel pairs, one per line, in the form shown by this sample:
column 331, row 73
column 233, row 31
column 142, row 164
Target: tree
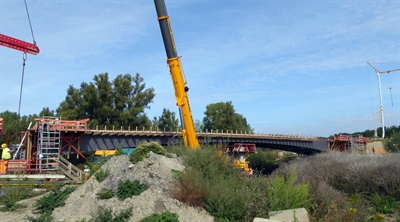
column 9, row 134
column 46, row 112
column 120, row 103
column 198, row 125
column 222, row 116
column 167, row 121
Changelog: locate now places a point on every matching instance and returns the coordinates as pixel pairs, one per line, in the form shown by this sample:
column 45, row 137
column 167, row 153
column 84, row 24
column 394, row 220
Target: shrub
column 101, row 174
column 211, row 181
column 105, row 194
column 164, row 217
column 56, row 198
column 143, row 151
column 284, row 193
column 106, row 214
column 127, row 189
column 392, row 144
column 188, row 190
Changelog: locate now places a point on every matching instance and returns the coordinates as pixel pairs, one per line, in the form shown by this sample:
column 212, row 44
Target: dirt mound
column 154, row 171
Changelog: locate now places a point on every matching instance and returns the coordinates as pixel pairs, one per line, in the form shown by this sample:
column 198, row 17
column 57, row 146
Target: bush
column 188, row 190
column 164, row 217
column 335, row 176
column 127, row 189
column 143, row 151
column 101, row 174
column 211, row 181
column 392, row 144
column 105, row 194
column 284, row 193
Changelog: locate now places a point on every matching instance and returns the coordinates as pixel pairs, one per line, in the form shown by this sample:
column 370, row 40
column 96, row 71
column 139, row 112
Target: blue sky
column 287, row 66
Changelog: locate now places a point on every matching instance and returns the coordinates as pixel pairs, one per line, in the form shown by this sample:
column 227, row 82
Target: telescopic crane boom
column 175, row 67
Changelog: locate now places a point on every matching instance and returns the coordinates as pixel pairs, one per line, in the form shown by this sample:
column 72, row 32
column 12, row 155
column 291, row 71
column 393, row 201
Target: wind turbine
column 380, row 99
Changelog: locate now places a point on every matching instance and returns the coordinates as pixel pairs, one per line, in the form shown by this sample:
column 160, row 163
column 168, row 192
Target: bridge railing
column 226, row 133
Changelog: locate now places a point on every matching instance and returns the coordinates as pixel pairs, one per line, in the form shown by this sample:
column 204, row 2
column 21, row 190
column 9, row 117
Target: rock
column 300, row 214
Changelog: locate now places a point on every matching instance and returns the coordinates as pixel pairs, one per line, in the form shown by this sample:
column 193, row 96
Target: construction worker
column 86, row 172
column 5, row 156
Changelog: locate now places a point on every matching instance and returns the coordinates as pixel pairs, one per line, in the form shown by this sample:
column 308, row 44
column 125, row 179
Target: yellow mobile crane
column 182, row 101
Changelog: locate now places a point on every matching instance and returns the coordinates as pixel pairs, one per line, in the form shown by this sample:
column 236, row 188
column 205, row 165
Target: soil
column 154, row 171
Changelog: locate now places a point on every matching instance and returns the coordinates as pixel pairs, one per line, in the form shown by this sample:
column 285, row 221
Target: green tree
column 393, row 144
column 198, row 125
column 119, row 103
column 9, row 134
column 222, row 116
column 167, row 121
column 46, row 112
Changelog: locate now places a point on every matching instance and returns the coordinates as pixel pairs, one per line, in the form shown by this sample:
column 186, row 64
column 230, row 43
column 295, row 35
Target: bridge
column 101, row 139
column 50, row 136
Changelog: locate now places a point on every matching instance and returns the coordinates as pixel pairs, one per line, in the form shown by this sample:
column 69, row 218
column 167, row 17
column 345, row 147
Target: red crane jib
column 18, row 44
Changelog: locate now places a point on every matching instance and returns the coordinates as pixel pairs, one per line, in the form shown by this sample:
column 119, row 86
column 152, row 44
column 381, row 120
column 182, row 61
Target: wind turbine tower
column 380, row 99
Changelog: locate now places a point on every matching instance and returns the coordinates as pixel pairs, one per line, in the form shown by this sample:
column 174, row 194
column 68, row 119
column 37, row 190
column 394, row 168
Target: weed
column 119, row 151
column 384, row 204
column 127, row 189
column 285, row 194
column 164, row 217
column 101, row 174
column 12, row 195
column 56, row 198
column 46, row 217
column 106, row 214
column 105, row 194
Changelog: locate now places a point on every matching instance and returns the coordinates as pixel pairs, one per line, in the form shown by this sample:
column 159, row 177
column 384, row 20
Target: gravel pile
column 154, row 171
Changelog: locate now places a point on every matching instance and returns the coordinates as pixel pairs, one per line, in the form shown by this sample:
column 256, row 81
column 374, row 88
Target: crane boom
column 18, row 44
column 182, row 100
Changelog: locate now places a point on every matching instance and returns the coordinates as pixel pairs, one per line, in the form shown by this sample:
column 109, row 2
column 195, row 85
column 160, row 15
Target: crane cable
column 24, row 57
column 30, row 24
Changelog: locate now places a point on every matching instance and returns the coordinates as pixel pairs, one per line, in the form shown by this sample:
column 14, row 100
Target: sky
column 287, row 66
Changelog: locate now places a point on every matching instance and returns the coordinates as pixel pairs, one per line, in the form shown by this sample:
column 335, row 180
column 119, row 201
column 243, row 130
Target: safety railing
column 223, row 133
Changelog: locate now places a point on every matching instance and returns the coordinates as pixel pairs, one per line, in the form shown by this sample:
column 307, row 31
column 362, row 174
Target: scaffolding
column 48, row 146
column 357, row 144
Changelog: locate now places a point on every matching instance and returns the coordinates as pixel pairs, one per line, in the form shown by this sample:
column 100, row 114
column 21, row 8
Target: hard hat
column 3, row 145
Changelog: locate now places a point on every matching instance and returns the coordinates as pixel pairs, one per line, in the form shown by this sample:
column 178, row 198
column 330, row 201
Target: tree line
column 122, row 102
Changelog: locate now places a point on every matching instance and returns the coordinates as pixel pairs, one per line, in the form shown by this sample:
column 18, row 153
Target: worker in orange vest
column 5, row 156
